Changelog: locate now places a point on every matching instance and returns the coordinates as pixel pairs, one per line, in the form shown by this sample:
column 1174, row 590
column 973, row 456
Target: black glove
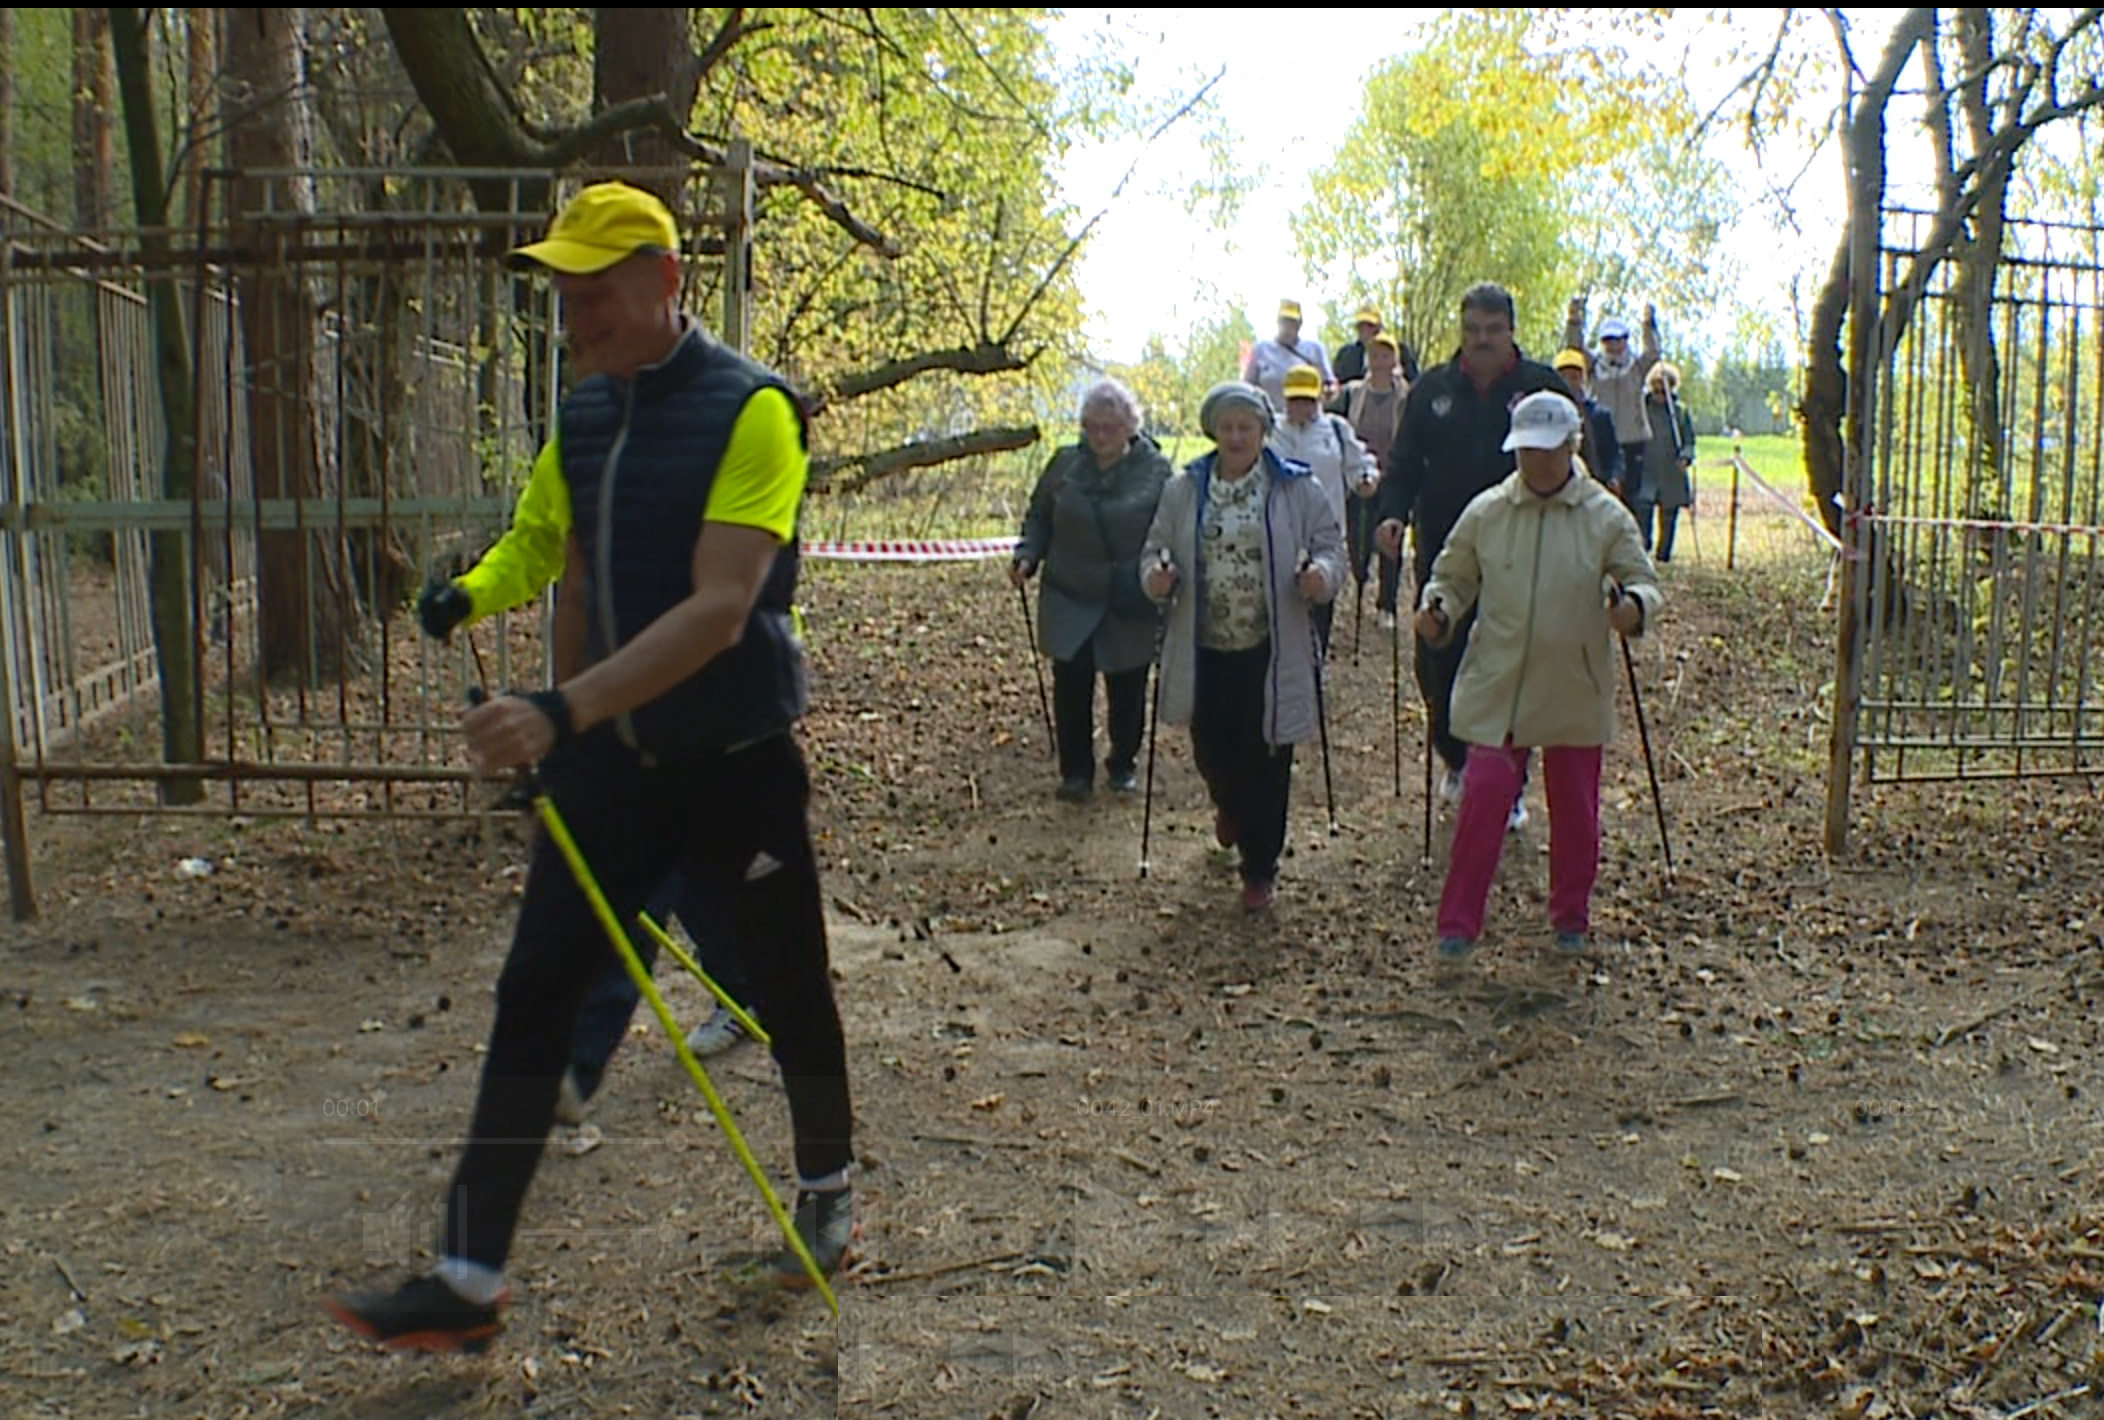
column 443, row 606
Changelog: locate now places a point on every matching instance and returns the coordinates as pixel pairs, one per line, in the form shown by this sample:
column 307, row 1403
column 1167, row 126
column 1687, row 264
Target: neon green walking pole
column 559, row 834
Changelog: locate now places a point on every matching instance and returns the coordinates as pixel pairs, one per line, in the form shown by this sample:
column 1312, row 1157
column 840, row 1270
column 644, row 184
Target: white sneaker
column 719, row 1033
column 1517, row 819
column 1450, row 788
column 569, row 1105
column 1388, row 621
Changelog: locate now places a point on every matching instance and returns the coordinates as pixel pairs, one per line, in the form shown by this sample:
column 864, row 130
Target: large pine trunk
column 306, row 606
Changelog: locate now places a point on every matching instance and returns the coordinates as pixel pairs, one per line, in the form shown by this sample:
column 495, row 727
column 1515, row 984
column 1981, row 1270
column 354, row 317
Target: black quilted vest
column 640, row 456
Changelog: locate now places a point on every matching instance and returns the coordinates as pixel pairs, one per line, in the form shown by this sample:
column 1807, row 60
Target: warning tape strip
column 942, row 550
column 1908, row 520
column 1788, row 505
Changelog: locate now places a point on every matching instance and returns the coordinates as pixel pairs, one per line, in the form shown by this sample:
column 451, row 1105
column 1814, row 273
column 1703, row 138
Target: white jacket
column 1540, row 664
column 1333, row 454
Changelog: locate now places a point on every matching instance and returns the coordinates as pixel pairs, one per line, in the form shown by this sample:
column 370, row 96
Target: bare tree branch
column 982, row 359
column 888, row 463
column 728, row 34
column 1052, row 272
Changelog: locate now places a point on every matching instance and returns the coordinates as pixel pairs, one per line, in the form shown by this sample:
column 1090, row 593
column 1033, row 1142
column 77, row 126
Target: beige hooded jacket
column 1540, row 664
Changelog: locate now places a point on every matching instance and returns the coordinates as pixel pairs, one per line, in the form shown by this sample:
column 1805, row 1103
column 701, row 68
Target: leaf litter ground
column 1793, row 1141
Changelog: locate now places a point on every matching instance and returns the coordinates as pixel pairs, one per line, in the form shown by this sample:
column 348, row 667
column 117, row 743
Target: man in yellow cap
column 1602, row 455
column 1355, row 361
column 672, row 747
column 1270, row 359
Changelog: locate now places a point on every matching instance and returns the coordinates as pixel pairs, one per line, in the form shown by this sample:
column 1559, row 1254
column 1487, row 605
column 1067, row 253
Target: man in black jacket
column 1450, row 447
column 671, row 745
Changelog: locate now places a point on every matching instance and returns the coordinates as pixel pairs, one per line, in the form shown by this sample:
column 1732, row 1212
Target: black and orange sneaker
column 825, row 1221
column 423, row 1314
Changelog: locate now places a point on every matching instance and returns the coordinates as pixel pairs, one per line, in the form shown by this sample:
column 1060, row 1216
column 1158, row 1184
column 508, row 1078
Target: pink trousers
column 1488, row 788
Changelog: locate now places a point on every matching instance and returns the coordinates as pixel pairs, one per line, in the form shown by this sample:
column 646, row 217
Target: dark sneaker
column 825, row 1220
column 1259, row 895
column 423, row 1314
column 1572, row 942
column 1124, row 781
column 1454, row 949
column 1223, row 829
column 1072, row 791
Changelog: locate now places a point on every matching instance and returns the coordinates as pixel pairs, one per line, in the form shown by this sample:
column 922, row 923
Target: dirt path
column 1790, row 1143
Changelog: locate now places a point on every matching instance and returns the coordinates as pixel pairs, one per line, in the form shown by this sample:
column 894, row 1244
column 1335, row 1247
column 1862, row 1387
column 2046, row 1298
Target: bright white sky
column 1293, row 79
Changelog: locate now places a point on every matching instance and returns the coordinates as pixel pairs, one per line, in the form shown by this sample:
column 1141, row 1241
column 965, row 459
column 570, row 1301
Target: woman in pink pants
column 1552, row 563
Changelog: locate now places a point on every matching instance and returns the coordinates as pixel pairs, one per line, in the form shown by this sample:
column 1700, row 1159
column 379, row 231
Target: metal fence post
column 1731, row 535
column 14, row 824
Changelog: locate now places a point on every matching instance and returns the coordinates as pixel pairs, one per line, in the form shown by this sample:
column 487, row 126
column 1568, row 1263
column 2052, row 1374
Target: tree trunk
column 94, row 86
column 203, row 106
column 637, row 53
column 1979, row 260
column 7, row 101
column 1825, row 401
column 168, row 574
column 307, row 609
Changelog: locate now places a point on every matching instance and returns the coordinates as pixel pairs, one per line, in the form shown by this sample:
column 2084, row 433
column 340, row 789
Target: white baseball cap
column 1543, row 420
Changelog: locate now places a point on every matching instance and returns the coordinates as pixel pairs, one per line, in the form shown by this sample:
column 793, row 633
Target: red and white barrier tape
column 1788, row 505
column 969, row 549
column 2013, row 529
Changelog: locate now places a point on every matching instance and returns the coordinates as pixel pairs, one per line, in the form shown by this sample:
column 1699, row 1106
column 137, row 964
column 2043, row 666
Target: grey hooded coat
column 1083, row 531
column 1297, row 522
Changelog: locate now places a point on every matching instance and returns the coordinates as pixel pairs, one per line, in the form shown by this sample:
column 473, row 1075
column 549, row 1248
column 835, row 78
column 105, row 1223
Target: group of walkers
column 1526, row 494
column 665, row 513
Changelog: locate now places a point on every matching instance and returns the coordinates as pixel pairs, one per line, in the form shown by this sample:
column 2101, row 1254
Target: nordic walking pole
column 1322, row 711
column 724, row 998
column 559, row 834
column 1643, row 734
column 1044, row 701
column 1154, row 730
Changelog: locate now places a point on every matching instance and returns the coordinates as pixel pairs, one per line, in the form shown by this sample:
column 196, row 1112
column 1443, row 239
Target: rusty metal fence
column 1980, row 613
column 368, row 386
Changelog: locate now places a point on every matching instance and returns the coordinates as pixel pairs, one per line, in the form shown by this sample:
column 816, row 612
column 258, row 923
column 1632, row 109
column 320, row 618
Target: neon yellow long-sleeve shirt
column 530, row 554
column 748, row 491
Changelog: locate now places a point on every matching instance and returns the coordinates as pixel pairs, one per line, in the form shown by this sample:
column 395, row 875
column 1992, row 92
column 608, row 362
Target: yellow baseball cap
column 1367, row 316
column 1289, row 310
column 1384, row 338
column 1303, row 382
column 605, row 223
column 1569, row 359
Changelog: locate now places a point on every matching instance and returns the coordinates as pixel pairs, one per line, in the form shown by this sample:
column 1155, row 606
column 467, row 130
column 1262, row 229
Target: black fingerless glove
column 443, row 606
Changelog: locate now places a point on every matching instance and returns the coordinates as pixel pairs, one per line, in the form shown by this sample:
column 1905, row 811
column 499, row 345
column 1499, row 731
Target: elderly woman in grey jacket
column 1242, row 546
column 1088, row 516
